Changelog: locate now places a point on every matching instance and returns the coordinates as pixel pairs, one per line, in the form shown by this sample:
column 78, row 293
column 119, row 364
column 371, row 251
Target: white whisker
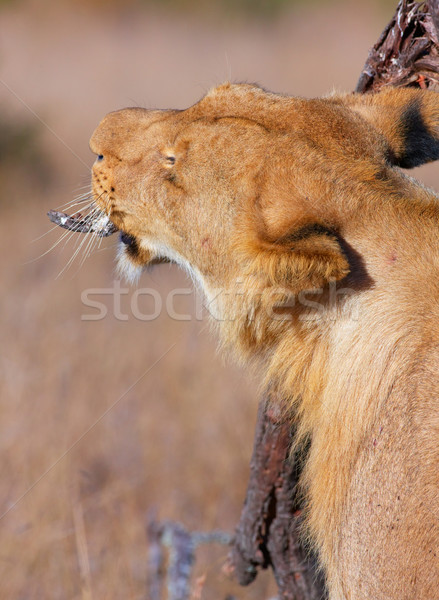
column 90, row 240
column 72, row 258
column 88, row 248
column 78, row 200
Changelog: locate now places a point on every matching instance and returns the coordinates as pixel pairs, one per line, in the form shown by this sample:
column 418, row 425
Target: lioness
column 321, row 260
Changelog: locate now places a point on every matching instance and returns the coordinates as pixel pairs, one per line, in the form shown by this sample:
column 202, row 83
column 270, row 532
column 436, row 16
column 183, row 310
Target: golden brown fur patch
column 320, row 258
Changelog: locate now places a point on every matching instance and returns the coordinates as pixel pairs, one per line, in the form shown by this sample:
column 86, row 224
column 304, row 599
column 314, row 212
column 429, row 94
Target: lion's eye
column 170, row 160
column 100, row 157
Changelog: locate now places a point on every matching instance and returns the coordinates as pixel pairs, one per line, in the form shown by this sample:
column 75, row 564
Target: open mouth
column 132, row 249
column 130, row 243
column 100, row 225
column 127, row 239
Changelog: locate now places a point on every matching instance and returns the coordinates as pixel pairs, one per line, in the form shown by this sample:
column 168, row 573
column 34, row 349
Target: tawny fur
column 320, row 260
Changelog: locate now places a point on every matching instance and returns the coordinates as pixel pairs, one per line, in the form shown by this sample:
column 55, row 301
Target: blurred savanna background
column 105, row 421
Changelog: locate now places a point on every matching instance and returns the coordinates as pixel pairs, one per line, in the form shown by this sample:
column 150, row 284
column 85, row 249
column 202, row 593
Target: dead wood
column 101, row 226
column 268, row 531
column 407, row 52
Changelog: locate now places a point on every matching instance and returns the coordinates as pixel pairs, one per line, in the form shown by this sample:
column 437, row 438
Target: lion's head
column 246, row 180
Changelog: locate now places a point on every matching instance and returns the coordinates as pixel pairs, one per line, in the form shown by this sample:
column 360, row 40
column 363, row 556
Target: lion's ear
column 305, row 259
column 408, row 118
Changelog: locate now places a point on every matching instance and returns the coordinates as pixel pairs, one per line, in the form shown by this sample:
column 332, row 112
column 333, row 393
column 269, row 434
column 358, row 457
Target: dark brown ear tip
column 420, row 144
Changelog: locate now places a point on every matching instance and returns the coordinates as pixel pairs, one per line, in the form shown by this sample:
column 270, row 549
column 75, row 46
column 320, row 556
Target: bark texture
column 407, row 52
column 268, row 532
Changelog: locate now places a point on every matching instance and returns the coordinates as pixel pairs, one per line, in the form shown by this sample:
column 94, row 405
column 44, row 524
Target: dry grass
column 180, row 439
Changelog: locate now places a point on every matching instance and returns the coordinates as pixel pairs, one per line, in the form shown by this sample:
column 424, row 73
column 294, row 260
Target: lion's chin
column 133, row 259
column 126, row 268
